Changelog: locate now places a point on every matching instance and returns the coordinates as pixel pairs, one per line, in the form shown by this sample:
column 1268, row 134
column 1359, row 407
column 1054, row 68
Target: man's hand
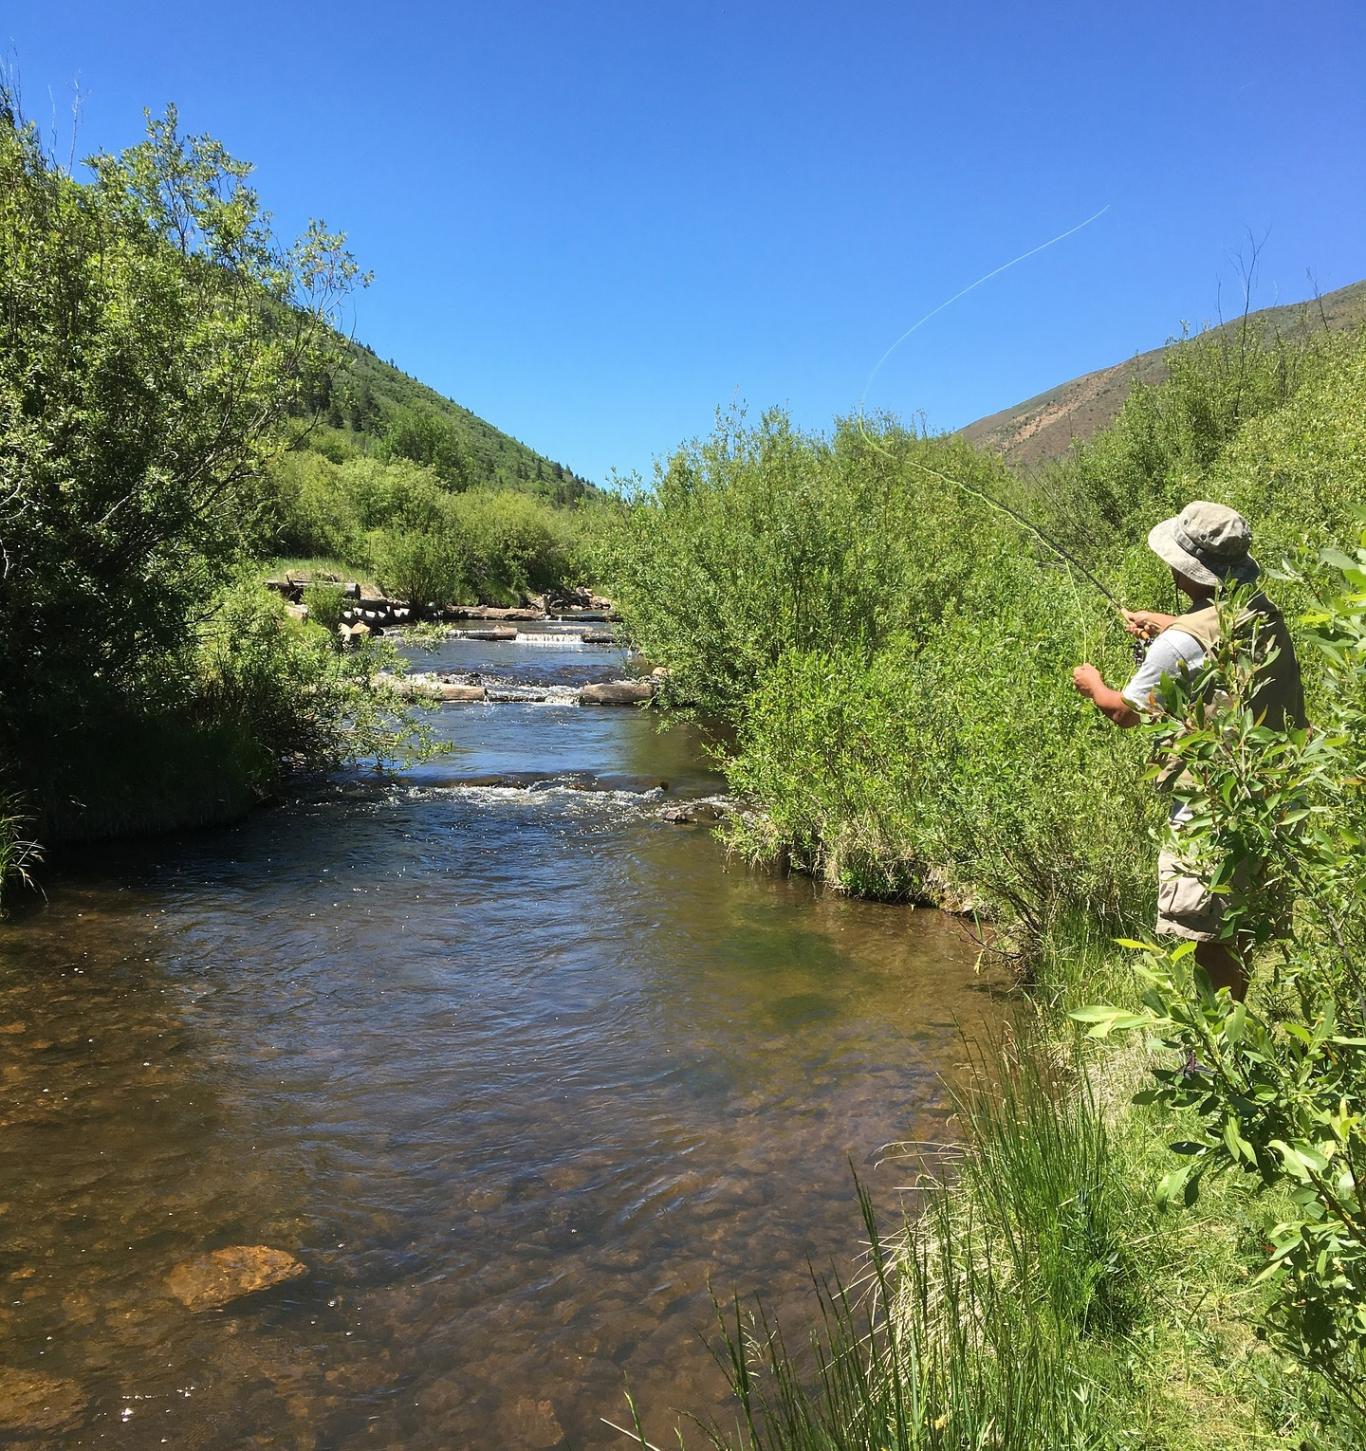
column 1088, row 681
column 1146, row 623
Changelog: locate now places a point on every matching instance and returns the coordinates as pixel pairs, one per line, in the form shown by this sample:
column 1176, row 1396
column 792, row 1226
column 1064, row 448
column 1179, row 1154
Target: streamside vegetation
column 1151, row 1235
column 176, row 406
column 398, row 523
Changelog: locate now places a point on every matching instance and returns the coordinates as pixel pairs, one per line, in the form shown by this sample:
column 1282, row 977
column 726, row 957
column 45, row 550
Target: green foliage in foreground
column 1277, row 1089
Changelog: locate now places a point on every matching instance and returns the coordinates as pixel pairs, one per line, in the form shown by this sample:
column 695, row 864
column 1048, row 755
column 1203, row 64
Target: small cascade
column 555, row 639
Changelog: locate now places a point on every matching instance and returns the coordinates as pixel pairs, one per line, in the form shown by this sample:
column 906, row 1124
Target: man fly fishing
column 1208, row 548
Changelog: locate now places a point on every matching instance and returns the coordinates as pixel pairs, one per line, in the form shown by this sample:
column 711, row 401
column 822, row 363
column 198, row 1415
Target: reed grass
column 966, row 1329
column 19, row 853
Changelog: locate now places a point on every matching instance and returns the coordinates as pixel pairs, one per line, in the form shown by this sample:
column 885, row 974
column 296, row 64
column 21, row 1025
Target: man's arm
column 1110, row 703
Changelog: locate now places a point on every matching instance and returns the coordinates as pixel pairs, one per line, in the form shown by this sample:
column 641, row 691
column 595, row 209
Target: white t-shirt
column 1173, row 653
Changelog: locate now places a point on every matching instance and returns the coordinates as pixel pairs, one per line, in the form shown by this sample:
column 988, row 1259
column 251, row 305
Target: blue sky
column 595, row 223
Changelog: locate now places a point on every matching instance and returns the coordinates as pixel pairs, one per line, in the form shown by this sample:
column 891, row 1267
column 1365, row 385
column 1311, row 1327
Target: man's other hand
column 1146, row 623
column 1086, row 679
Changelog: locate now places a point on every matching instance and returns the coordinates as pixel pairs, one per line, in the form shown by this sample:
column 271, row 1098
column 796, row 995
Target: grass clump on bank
column 1040, row 1299
column 894, row 656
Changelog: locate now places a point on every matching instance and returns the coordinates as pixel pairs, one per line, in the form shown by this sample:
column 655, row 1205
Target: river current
column 513, row 1064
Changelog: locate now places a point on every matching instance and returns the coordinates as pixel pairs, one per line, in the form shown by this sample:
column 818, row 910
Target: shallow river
column 514, row 1071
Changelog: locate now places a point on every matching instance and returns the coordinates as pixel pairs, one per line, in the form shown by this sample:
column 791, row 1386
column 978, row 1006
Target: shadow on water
column 514, row 1072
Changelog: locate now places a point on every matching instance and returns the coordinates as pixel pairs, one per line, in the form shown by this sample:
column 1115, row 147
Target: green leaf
column 1105, row 1020
column 1177, row 1182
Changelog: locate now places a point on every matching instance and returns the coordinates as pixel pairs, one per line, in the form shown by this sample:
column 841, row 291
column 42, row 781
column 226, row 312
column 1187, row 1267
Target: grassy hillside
column 366, row 406
column 1042, row 429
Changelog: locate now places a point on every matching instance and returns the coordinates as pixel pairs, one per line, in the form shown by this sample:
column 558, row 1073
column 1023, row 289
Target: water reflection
column 515, row 1074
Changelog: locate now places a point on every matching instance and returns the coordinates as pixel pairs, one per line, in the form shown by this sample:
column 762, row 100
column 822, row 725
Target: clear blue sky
column 594, row 223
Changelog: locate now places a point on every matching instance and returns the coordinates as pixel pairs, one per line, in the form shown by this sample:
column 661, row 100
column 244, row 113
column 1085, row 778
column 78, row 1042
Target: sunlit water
column 515, row 1069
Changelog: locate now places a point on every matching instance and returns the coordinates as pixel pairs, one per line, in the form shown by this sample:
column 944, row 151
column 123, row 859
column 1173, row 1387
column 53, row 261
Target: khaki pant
column 1185, row 905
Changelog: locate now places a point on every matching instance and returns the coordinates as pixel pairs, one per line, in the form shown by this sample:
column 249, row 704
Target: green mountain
column 366, row 405
column 1043, row 428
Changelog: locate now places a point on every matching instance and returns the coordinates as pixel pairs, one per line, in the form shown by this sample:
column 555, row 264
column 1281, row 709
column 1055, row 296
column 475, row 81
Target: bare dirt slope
column 1042, row 428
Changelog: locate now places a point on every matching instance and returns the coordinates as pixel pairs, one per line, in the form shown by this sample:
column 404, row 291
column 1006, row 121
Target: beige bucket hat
column 1208, row 543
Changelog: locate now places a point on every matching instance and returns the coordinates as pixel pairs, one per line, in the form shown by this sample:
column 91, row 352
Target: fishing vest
column 1279, row 701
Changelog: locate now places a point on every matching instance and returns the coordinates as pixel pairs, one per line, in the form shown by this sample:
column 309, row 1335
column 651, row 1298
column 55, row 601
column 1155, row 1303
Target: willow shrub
column 762, row 539
column 255, row 698
column 153, row 336
column 424, row 542
column 960, row 763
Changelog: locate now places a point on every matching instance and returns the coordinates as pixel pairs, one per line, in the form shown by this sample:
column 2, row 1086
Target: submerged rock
column 31, row 1403
column 531, row 1423
column 224, row 1275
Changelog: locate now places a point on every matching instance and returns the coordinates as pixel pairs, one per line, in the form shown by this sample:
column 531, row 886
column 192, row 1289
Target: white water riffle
column 566, row 640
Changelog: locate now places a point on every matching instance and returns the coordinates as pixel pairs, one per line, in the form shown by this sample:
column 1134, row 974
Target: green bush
column 155, row 339
column 763, row 539
column 256, row 698
column 325, row 604
column 144, row 372
column 424, row 568
column 426, row 544
column 895, row 654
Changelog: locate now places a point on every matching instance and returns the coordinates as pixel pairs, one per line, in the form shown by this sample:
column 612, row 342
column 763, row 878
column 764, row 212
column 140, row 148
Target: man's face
column 1182, row 583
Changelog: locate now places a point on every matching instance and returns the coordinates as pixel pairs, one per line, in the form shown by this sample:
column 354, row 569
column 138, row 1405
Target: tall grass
column 19, row 853
column 970, row 1328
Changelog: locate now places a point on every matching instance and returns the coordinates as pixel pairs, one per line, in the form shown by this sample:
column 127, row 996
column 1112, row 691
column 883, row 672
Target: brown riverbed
column 513, row 1070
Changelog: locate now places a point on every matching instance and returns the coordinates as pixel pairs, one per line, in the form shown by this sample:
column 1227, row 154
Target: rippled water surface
column 514, row 1069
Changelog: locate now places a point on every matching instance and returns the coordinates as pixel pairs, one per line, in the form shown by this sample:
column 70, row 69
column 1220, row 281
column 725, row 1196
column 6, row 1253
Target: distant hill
column 1043, row 428
column 367, row 405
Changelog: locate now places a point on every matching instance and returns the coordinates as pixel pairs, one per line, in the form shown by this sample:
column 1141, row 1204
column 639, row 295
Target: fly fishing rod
column 1024, row 522
column 1138, row 645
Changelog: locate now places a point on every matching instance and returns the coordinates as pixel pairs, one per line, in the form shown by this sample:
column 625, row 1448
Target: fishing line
column 971, row 287
column 1036, row 530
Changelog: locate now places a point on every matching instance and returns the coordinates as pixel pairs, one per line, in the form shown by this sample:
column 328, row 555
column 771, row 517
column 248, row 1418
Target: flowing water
column 513, row 1064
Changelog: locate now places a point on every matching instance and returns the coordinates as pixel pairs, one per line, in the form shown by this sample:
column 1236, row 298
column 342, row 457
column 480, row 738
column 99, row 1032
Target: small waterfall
column 566, row 640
